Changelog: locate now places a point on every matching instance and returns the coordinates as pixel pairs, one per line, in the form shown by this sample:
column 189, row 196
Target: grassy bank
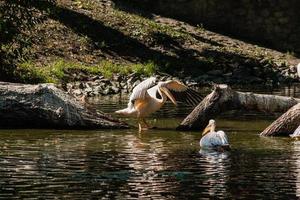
column 48, row 41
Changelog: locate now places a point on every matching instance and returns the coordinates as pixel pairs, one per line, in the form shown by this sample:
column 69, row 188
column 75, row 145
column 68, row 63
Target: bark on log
column 45, row 106
column 286, row 124
column 223, row 98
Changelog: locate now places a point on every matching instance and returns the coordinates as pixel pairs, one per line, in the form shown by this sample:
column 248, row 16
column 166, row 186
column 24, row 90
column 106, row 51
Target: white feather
column 298, row 70
column 140, row 91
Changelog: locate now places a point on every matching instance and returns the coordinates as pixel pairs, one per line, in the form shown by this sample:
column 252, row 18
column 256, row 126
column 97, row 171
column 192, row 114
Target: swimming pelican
column 212, row 139
column 146, row 98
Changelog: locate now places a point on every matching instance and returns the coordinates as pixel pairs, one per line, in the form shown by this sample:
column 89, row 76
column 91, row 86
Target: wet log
column 223, row 98
column 46, row 106
column 286, row 124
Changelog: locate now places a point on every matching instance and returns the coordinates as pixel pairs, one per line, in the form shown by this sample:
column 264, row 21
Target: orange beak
column 169, row 95
column 206, row 130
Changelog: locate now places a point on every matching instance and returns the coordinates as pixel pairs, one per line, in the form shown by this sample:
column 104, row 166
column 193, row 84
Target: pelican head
column 166, row 91
column 210, row 127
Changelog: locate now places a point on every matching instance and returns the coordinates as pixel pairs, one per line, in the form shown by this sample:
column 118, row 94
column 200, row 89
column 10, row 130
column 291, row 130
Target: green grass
column 59, row 70
column 27, row 73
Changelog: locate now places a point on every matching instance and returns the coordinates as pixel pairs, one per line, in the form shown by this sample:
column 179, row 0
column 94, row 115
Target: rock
column 88, row 89
column 136, row 83
column 77, row 92
column 93, row 78
column 293, row 69
column 81, row 85
column 118, row 77
column 115, row 89
column 129, row 81
column 105, row 92
column 93, row 83
column 105, row 80
column 123, row 85
column 293, row 75
column 70, row 85
column 95, row 93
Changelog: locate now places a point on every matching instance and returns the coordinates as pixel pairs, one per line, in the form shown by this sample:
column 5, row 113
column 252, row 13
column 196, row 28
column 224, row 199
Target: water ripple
column 158, row 164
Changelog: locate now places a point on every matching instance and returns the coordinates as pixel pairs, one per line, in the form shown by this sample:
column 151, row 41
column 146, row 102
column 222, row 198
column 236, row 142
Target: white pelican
column 146, row 98
column 212, row 139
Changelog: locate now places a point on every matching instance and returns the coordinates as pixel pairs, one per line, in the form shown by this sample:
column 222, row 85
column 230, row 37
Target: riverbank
column 95, row 44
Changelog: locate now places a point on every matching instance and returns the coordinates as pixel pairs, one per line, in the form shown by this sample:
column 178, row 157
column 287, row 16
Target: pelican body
column 147, row 98
column 212, row 139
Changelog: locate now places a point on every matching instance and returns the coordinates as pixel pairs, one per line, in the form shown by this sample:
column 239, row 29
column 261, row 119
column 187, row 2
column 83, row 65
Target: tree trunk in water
column 286, row 124
column 223, row 98
column 45, row 106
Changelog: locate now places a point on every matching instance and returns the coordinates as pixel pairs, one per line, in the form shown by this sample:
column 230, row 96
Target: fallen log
column 45, row 106
column 223, row 98
column 286, row 124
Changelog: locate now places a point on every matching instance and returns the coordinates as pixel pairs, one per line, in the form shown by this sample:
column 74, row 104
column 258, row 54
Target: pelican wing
column 140, row 91
column 216, row 139
column 222, row 137
column 182, row 93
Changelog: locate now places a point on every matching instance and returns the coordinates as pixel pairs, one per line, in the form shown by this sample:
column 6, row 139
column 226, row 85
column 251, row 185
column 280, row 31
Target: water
column 157, row 164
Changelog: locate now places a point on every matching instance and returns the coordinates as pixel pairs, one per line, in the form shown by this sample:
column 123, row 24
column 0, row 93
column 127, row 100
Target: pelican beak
column 169, row 95
column 206, row 130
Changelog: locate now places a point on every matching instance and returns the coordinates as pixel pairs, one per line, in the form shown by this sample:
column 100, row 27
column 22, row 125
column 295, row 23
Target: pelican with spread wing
column 148, row 97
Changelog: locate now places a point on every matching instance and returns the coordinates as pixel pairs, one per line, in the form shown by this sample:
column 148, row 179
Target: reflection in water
column 145, row 158
column 157, row 164
column 296, row 156
column 217, row 171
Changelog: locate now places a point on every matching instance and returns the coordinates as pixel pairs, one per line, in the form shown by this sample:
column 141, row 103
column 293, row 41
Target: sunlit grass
column 27, row 73
column 59, row 70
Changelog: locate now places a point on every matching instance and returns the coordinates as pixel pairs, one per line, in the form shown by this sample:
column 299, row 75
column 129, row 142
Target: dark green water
column 157, row 164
